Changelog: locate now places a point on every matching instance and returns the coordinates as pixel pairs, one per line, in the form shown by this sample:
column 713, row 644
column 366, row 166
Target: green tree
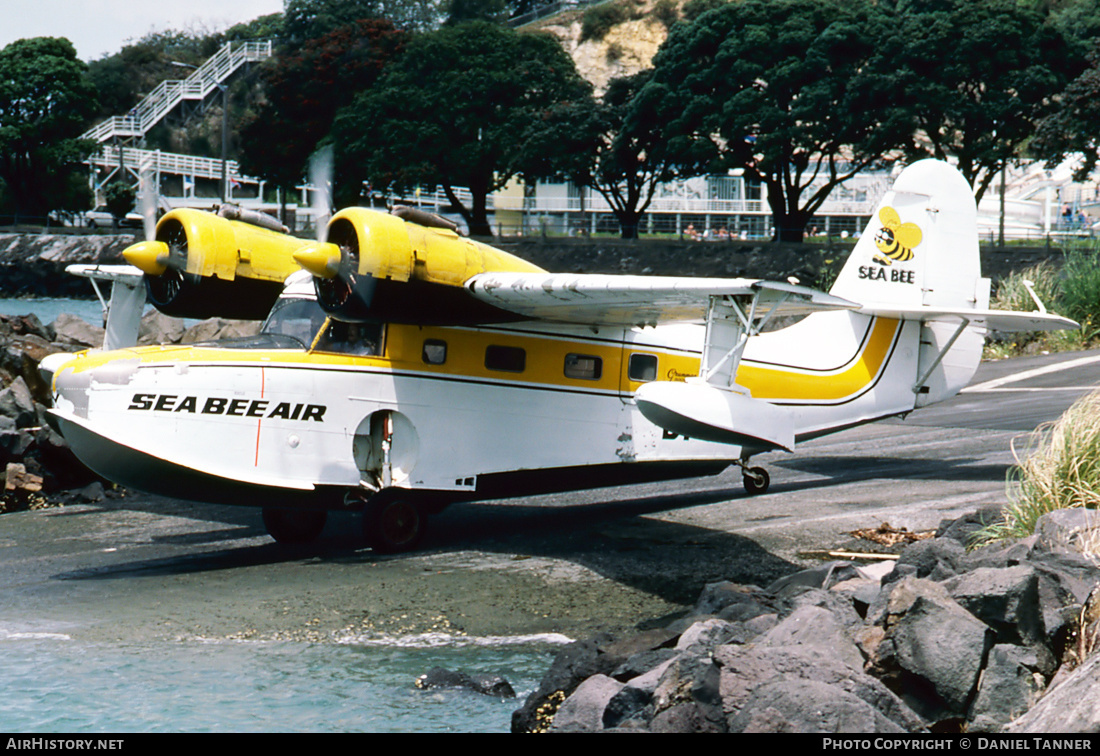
column 1074, row 127
column 306, row 20
column 45, row 100
column 773, row 87
column 461, row 107
column 461, row 11
column 305, row 88
column 975, row 77
column 627, row 157
column 120, row 198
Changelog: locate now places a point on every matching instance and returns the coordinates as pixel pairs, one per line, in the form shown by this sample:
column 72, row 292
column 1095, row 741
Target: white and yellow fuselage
column 471, row 411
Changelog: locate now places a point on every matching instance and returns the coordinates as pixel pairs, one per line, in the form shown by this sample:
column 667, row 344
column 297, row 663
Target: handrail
column 169, row 162
column 168, row 94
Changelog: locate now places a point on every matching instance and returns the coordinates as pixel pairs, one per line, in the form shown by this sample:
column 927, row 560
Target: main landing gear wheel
column 393, row 522
column 756, row 480
column 294, row 526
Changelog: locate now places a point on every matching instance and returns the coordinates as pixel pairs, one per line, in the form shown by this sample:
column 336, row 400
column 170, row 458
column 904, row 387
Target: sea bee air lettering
column 883, row 274
column 217, row 405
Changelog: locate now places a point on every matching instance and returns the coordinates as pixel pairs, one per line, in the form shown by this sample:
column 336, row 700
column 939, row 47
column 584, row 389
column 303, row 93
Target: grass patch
column 1074, row 291
column 1059, row 469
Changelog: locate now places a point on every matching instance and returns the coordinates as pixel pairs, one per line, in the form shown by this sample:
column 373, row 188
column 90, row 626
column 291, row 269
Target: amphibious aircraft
column 406, row 367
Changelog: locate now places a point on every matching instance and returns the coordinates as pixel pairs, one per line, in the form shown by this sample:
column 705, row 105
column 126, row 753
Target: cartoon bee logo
column 895, row 240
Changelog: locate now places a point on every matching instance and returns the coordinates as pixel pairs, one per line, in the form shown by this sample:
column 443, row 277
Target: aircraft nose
column 51, row 363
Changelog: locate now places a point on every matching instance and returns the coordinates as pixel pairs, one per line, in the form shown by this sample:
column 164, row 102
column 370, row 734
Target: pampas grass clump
column 1059, row 469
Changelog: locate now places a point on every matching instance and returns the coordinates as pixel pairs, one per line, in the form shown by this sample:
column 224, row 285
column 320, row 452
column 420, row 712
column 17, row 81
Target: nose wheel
column 756, row 479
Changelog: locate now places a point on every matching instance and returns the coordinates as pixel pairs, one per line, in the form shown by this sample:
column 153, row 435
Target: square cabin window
column 435, row 352
column 508, row 359
column 583, row 367
column 642, row 368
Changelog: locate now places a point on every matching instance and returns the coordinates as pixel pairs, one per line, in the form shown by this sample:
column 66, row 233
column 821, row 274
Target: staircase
column 122, row 134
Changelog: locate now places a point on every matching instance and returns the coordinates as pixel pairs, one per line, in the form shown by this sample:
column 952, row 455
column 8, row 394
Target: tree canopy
column 622, row 152
column 1074, row 128
column 975, row 77
column 304, row 89
column 771, row 87
column 45, row 99
column 460, row 108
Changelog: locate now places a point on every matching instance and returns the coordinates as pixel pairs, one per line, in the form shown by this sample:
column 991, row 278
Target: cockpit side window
column 350, row 338
column 296, row 318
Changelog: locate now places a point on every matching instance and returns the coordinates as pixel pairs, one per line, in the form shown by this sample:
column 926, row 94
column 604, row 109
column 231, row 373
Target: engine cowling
column 204, row 265
column 379, row 267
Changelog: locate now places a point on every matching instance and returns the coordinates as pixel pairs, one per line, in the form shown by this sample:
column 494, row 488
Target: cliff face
column 626, row 47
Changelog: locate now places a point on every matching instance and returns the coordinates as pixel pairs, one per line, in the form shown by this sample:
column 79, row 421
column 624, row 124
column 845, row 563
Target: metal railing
column 168, row 94
column 138, row 160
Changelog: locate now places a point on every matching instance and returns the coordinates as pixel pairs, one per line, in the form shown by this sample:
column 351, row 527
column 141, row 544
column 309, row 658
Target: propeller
column 326, row 261
column 163, row 260
column 150, row 255
column 147, row 200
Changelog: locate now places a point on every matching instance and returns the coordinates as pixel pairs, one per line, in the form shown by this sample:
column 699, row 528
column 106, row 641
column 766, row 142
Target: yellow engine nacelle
column 203, row 265
column 382, row 267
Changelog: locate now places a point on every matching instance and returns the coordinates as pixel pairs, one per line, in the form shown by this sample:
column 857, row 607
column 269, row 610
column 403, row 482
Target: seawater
column 47, row 310
column 54, row 684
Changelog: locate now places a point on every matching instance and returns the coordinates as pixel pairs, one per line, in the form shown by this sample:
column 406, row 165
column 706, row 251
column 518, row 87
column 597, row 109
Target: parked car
column 102, row 218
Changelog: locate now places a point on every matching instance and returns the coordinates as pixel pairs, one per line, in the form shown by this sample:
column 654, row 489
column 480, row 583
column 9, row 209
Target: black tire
column 294, row 526
column 394, row 523
column 756, row 481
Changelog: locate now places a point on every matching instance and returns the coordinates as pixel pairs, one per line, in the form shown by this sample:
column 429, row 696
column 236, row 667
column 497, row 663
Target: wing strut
column 731, row 321
column 943, row 353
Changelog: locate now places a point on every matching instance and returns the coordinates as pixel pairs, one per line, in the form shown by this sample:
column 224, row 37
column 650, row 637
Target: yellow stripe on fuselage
column 843, row 382
column 545, row 356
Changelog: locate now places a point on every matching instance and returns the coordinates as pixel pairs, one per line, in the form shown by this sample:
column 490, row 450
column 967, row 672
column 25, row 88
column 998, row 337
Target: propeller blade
column 320, row 177
column 147, row 201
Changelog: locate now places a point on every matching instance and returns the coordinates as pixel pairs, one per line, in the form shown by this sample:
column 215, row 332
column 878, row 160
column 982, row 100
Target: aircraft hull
column 142, row 471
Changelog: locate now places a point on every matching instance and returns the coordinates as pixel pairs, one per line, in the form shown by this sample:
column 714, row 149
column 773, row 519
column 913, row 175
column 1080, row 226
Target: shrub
column 598, row 20
column 666, row 12
column 1011, row 293
column 1081, row 287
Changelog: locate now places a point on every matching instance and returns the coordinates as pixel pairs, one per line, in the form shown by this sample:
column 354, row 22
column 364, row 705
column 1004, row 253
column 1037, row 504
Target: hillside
column 613, row 39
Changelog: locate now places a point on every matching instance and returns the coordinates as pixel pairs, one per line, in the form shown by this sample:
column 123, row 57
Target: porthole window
column 583, row 367
column 642, row 367
column 508, row 359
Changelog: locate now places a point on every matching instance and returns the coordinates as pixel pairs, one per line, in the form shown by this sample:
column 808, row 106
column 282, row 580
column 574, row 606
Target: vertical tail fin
column 920, row 250
column 921, row 245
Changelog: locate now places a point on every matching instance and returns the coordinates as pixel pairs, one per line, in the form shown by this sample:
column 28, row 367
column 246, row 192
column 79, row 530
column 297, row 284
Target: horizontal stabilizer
column 596, row 299
column 993, row 320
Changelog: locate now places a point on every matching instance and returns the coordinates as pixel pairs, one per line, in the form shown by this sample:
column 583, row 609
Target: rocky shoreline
column 999, row 639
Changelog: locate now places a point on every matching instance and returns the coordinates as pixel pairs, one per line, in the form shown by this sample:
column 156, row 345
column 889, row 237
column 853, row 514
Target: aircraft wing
column 596, row 299
column 127, row 273
column 993, row 320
